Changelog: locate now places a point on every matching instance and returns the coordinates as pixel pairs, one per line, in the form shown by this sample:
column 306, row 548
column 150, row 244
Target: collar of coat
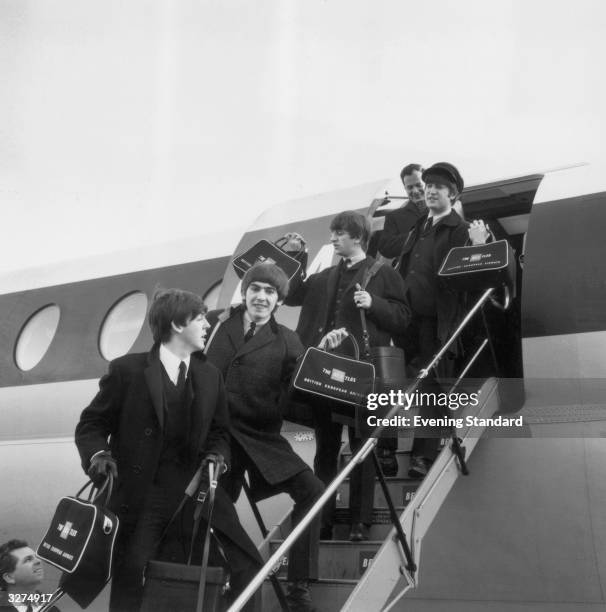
column 450, row 220
column 238, row 310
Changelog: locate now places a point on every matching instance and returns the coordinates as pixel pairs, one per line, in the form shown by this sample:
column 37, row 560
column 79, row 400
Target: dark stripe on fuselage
column 564, row 285
column 74, row 351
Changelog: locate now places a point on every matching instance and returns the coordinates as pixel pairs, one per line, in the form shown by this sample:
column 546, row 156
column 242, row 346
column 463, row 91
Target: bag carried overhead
column 267, row 252
column 80, row 542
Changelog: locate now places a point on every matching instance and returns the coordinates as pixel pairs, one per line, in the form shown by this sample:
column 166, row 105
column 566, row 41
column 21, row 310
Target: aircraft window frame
column 40, row 328
column 213, row 293
column 112, row 351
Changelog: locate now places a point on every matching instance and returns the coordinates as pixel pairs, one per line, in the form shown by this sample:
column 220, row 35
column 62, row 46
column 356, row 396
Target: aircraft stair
column 375, row 574
column 368, row 575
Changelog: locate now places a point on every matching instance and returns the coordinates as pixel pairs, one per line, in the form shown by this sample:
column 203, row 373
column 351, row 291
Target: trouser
column 304, row 489
column 420, row 344
column 139, row 542
column 362, row 481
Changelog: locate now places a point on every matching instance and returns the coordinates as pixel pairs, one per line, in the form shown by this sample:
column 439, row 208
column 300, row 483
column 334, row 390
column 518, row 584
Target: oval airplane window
column 36, row 336
column 122, row 325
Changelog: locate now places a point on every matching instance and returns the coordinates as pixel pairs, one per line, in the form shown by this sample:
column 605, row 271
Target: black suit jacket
column 127, row 417
column 450, row 231
column 257, row 374
column 398, row 224
column 388, row 316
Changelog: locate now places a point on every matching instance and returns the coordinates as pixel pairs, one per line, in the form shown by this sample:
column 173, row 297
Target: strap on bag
column 365, row 336
column 106, row 487
column 280, row 242
column 356, row 346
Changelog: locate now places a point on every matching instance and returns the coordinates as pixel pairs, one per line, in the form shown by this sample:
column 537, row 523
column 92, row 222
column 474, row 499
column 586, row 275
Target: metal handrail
column 356, row 459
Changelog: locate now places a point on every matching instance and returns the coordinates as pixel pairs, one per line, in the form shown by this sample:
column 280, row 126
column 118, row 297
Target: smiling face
column 261, row 300
column 438, row 197
column 414, row 187
column 193, row 334
column 28, row 571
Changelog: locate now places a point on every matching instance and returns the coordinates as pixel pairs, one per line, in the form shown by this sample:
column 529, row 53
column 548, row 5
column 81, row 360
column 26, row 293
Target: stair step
column 381, row 523
column 327, row 595
column 402, row 491
column 338, row 560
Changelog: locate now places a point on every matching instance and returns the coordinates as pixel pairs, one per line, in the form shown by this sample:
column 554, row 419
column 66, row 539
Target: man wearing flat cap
column 436, row 309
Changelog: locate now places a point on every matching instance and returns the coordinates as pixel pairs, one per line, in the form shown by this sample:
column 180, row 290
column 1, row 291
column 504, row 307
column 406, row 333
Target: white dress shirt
column 171, row 363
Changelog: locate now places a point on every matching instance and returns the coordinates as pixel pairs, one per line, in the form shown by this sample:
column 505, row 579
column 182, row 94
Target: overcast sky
column 131, row 123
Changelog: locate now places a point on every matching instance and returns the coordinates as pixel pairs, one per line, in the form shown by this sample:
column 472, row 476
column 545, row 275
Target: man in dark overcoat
column 331, row 300
column 156, row 418
column 436, row 309
column 257, row 357
column 399, row 222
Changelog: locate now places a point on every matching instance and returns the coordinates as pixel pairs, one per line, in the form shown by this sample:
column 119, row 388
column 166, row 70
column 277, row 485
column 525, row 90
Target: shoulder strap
column 370, row 273
column 374, row 268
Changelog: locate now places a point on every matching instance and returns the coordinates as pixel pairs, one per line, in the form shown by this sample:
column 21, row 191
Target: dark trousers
column 139, row 542
column 420, row 344
column 362, row 481
column 304, row 489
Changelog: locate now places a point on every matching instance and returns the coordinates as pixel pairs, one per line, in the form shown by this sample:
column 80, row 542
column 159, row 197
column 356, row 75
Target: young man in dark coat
column 257, row 357
column 156, row 418
column 331, row 300
column 436, row 310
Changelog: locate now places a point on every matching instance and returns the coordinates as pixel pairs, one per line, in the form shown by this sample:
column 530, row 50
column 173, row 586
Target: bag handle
column 280, row 242
column 491, row 238
column 108, row 485
column 365, row 336
column 356, row 346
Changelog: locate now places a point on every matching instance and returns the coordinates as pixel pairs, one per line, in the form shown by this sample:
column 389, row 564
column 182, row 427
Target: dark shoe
column 358, row 533
column 326, row 532
column 388, row 462
column 299, row 597
column 419, row 466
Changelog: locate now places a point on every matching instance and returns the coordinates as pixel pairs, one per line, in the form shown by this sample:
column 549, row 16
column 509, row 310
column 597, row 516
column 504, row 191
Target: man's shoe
column 326, row 532
column 388, row 462
column 299, row 597
column 419, row 466
column 358, row 533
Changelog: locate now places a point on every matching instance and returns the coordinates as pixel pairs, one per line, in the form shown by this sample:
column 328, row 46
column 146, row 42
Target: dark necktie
column 182, row 373
column 29, row 608
column 251, row 332
column 428, row 225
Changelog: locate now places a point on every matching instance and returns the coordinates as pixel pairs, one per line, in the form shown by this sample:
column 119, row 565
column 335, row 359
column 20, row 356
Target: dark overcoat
column 450, row 231
column 127, row 418
column 257, row 374
column 388, row 315
column 398, row 224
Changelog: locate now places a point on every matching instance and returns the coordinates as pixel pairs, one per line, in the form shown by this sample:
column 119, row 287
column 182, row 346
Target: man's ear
column 8, row 578
column 176, row 328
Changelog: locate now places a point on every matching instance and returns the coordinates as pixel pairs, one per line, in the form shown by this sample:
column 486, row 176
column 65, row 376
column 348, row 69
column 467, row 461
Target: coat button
column 237, row 362
column 137, row 469
column 123, row 507
column 148, row 431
